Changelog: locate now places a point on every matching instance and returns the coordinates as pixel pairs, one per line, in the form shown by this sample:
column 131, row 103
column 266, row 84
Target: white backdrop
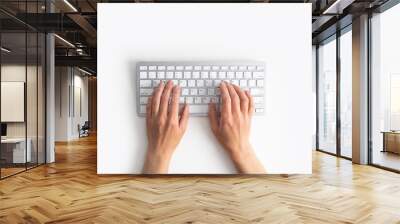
column 279, row 34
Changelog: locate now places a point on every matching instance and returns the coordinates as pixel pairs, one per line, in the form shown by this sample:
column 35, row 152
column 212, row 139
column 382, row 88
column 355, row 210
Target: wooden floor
column 69, row 191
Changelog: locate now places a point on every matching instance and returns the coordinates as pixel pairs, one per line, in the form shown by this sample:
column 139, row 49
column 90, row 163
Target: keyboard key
column 142, row 109
column 258, row 75
column 152, row 75
column 143, row 100
column 221, row 75
column 182, row 83
column 213, row 75
column 242, row 68
column 233, row 67
column 209, row 83
column 258, row 100
column 193, row 92
column 256, row 91
column 260, row 83
column 152, row 67
column 178, row 75
column 179, row 68
column 206, row 100
column 252, row 83
column 196, row 75
column 230, row 75
column 146, row 92
column 160, row 75
column 145, row 83
column 260, row 68
column 197, row 68
column 200, row 83
column 187, row 75
column 143, row 75
column 142, row 67
column 251, row 68
column 169, row 75
column 202, row 91
column 185, row 92
column 192, row 83
column 175, row 82
column 188, row 67
column 243, row 83
column 224, row 67
column 181, row 100
column 217, row 82
column 215, row 67
column 247, row 75
column 239, row 75
column 235, row 82
column 207, row 67
column 156, row 83
column 197, row 100
column 170, row 68
column 162, row 68
column 198, row 109
column 211, row 92
column 189, row 100
column 204, row 75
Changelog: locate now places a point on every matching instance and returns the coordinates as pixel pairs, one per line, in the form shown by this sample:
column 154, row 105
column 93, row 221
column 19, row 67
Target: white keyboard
column 199, row 81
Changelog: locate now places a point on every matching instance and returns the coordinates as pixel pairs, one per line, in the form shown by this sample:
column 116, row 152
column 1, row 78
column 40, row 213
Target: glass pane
column 386, row 89
column 31, row 100
column 41, row 98
column 346, row 93
column 13, row 88
column 327, row 97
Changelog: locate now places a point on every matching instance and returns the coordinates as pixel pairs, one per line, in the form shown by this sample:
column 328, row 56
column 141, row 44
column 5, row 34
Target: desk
column 391, row 141
column 13, row 150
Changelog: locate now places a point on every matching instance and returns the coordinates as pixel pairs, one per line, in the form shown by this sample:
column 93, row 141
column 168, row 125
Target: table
column 391, row 141
column 13, row 150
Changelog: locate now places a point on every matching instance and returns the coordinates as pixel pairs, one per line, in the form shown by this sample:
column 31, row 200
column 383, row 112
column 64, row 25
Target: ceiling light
column 70, row 5
column 5, row 50
column 84, row 71
column 64, row 40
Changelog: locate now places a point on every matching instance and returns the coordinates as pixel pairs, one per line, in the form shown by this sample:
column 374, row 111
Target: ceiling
column 76, row 21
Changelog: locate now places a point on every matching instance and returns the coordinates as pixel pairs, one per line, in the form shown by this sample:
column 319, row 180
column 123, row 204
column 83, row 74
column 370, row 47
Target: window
column 385, row 89
column 327, row 96
column 346, row 93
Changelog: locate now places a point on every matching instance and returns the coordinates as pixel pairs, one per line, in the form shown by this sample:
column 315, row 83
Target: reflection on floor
column 386, row 159
column 10, row 169
column 70, row 191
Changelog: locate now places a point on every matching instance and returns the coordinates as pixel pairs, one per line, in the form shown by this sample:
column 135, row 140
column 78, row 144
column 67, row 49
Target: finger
column 212, row 114
column 156, row 98
column 226, row 100
column 184, row 117
column 176, row 93
column 251, row 103
column 165, row 99
column 148, row 113
column 244, row 100
column 235, row 101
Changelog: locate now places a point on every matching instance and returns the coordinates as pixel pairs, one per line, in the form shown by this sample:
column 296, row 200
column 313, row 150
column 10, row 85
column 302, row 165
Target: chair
column 84, row 130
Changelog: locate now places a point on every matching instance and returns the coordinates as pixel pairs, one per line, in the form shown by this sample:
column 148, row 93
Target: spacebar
column 198, row 109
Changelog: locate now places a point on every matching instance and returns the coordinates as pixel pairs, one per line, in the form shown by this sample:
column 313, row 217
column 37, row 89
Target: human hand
column 165, row 127
column 232, row 128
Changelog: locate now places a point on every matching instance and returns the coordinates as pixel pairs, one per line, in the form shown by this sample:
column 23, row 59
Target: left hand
column 165, row 127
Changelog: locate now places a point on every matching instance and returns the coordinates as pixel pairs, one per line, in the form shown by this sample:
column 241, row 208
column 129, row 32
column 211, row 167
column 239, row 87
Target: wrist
column 243, row 152
column 157, row 161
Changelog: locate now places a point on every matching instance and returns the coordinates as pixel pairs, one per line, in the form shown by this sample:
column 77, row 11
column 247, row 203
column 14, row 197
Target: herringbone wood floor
column 69, row 191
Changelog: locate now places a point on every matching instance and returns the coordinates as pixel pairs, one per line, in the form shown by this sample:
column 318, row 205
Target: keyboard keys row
column 199, row 67
column 202, row 92
column 201, row 75
column 203, row 83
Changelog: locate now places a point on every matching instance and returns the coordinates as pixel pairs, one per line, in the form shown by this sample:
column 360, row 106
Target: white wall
column 70, row 83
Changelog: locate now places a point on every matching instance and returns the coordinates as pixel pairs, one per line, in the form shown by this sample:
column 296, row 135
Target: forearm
column 156, row 163
column 246, row 161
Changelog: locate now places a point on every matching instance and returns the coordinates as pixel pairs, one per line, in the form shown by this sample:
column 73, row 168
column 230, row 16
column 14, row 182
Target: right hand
column 232, row 127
